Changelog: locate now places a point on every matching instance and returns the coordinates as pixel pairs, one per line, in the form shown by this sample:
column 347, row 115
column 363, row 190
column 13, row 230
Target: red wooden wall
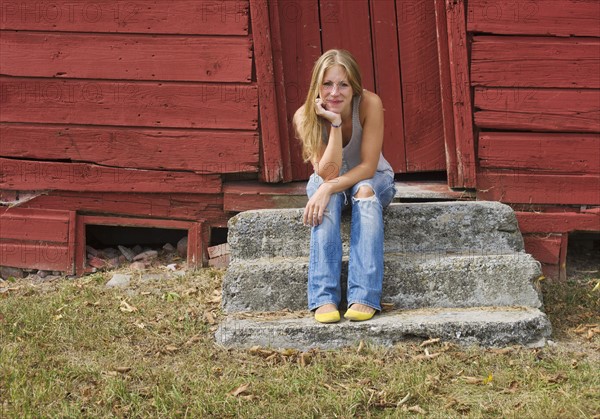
column 123, row 108
column 535, row 70
column 395, row 44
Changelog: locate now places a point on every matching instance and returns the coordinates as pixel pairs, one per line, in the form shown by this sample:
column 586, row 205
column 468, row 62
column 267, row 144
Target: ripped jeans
column 365, row 266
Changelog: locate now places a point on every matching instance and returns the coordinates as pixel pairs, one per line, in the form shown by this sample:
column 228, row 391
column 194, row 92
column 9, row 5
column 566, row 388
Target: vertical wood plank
column 384, row 31
column 276, row 46
column 195, row 250
column 300, row 33
column 423, row 126
column 446, row 93
column 271, row 169
column 72, row 243
column 345, row 25
column 80, row 256
column 461, row 92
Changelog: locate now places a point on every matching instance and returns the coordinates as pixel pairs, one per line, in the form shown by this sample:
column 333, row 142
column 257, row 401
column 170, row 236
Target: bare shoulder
column 370, row 105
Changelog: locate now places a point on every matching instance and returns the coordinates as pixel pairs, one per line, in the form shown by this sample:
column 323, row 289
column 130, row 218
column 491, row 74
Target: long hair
column 310, row 127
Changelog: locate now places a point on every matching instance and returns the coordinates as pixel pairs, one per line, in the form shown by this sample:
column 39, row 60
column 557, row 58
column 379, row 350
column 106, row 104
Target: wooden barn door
column 395, row 44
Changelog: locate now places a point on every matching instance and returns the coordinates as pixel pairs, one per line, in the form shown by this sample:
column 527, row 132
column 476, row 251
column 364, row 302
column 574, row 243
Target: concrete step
column 490, row 327
column 482, row 226
column 411, row 280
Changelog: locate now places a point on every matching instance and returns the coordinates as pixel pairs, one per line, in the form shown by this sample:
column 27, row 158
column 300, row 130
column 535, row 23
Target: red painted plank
column 461, row 94
column 130, row 57
column 523, row 186
column 345, row 25
column 300, row 34
column 201, row 17
column 540, row 152
column 175, row 149
column 35, row 255
column 423, row 126
column 446, row 94
column 272, row 164
column 154, row 104
column 384, row 31
column 535, row 222
column 40, row 175
column 535, row 17
column 34, row 225
column 544, row 248
column 280, row 93
column 538, row 109
column 172, row 206
column 535, row 62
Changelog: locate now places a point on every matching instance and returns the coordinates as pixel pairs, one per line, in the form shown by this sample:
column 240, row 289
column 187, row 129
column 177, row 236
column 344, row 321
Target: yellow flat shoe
column 358, row 316
column 330, row 317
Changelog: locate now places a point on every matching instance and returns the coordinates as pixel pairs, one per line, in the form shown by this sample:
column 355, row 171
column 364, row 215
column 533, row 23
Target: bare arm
column 372, row 142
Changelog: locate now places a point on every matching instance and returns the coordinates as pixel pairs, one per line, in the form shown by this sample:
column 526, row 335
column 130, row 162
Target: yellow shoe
column 330, row 317
column 358, row 316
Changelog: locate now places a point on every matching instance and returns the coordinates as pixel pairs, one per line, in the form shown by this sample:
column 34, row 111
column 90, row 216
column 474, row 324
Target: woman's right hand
column 332, row 117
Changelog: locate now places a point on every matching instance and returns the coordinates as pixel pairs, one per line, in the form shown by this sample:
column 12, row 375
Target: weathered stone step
column 491, row 327
column 410, row 281
column 482, row 226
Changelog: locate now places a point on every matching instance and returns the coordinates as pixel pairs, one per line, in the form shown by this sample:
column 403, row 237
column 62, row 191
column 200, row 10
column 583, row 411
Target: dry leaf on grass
column 125, row 307
column 417, row 409
column 555, row 378
column 171, row 348
column 209, row 317
column 240, row 390
column 426, row 356
column 123, row 370
column 473, row 380
column 429, row 342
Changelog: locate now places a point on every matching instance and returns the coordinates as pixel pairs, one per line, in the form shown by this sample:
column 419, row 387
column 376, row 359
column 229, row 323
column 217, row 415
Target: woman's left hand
column 316, row 206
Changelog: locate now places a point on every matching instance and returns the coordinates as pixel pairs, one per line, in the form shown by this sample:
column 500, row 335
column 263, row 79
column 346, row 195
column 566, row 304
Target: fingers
column 312, row 216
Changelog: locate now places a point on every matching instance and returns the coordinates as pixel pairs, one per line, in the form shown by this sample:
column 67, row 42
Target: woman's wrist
column 336, row 124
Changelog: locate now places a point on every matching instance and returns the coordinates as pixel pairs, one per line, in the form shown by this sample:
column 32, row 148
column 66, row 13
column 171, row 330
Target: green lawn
column 73, row 348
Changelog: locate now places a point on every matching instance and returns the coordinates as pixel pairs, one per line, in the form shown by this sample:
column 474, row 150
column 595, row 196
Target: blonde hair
column 310, row 127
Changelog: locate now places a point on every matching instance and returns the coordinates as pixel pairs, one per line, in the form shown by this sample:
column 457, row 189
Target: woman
column 341, row 129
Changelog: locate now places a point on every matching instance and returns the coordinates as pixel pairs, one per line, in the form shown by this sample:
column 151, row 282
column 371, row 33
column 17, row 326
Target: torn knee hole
column 365, row 192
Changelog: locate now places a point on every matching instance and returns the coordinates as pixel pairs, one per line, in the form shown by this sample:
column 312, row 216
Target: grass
column 73, row 348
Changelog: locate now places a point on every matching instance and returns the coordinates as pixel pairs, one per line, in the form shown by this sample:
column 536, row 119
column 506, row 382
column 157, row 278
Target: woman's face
column 335, row 90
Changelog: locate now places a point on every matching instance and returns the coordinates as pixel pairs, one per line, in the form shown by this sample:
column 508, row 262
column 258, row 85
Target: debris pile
column 137, row 258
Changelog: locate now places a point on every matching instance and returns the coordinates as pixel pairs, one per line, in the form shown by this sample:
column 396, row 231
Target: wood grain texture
column 199, row 17
column 534, row 17
column 346, row 25
column 35, row 255
column 145, row 104
column 544, row 248
column 128, row 57
column 535, row 62
column 540, row 152
column 388, row 84
column 271, row 169
column 536, row 222
column 34, row 225
column 522, row 186
column 447, row 104
column 156, row 205
column 280, row 90
column 423, row 126
column 41, row 175
column 561, row 110
column 174, row 149
column 300, row 33
column 461, row 93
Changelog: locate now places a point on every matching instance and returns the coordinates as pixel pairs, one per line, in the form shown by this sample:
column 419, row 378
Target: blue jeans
column 365, row 267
